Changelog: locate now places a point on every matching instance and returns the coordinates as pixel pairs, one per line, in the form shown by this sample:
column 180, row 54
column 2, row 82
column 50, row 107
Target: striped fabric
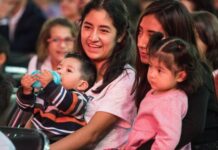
column 56, row 111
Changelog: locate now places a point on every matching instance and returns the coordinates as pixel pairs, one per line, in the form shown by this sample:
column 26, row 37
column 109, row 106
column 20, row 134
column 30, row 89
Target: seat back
column 26, row 139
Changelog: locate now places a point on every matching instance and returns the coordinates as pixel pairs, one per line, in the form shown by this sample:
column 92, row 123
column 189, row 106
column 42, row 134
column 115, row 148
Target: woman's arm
column 94, row 131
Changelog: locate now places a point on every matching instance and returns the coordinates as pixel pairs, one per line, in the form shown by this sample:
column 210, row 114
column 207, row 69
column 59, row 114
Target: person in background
column 6, row 88
column 206, row 25
column 49, row 7
column 143, row 4
column 56, row 39
column 58, row 109
column 82, row 4
column 197, row 5
column 7, row 83
column 21, row 25
column 6, row 9
column 106, row 40
column 70, row 10
column 171, row 18
column 4, row 53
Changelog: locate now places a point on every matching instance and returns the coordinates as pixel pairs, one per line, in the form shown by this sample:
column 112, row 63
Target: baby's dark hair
column 173, row 51
column 88, row 69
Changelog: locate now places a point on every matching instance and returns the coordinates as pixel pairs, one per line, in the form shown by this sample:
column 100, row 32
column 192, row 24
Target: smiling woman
column 98, row 39
column 106, row 40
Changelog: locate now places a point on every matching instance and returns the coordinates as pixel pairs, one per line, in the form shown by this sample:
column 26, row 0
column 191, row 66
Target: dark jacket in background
column 25, row 35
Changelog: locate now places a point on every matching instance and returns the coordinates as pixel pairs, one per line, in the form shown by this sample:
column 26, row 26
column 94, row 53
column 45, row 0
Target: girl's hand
column 44, row 77
column 26, row 82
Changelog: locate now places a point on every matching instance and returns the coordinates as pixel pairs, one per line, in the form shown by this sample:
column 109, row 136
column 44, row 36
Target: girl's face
column 60, row 43
column 69, row 8
column 148, row 26
column 98, row 35
column 160, row 77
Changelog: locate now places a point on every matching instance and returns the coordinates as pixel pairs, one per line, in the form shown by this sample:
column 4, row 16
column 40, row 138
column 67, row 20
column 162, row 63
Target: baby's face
column 70, row 72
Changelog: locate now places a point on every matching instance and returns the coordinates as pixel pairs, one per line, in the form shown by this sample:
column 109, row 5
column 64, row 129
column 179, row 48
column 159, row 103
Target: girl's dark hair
column 123, row 52
column 176, row 21
column 173, row 52
column 206, row 25
column 88, row 69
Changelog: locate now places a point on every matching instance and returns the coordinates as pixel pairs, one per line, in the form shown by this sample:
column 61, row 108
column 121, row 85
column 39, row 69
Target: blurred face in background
column 70, row 9
column 60, row 42
column 7, row 7
column 83, row 4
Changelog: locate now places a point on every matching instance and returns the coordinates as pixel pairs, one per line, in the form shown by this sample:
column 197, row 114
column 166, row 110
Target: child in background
column 56, row 39
column 173, row 72
column 58, row 110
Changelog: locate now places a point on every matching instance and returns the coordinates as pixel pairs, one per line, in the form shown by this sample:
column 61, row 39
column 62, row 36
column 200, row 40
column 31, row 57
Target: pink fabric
column 115, row 99
column 159, row 118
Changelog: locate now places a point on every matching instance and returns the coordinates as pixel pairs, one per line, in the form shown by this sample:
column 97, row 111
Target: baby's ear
column 181, row 76
column 82, row 85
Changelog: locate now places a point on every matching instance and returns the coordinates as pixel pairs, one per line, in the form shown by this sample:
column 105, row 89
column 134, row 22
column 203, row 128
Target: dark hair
column 206, row 25
column 177, row 52
column 206, row 5
column 88, row 69
column 174, row 19
column 123, row 52
column 4, row 48
column 6, row 88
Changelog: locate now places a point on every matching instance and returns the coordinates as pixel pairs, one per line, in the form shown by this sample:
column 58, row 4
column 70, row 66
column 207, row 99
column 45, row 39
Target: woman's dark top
column 200, row 125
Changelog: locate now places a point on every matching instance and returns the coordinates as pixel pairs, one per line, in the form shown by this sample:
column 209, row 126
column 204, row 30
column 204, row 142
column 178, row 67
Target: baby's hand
column 44, row 77
column 26, row 82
